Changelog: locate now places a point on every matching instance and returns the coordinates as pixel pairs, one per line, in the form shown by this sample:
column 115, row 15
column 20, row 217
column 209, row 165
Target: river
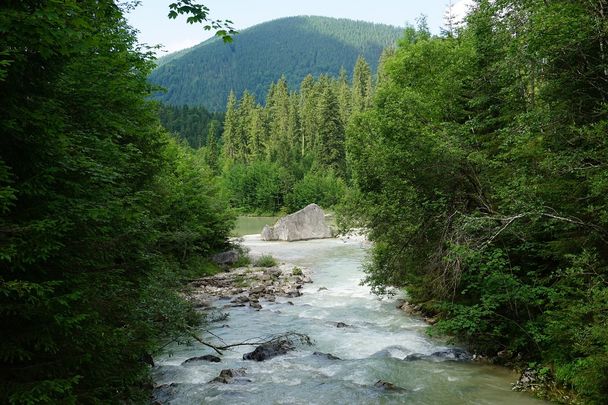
column 372, row 348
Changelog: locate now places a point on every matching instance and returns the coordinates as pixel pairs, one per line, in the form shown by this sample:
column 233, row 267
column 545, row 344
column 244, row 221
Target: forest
column 476, row 159
column 294, row 47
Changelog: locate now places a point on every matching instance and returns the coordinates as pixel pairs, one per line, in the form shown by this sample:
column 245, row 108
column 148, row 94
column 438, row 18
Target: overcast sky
column 150, row 18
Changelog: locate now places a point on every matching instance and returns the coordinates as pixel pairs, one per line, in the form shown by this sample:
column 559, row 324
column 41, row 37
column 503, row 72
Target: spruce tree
column 362, row 85
column 330, row 146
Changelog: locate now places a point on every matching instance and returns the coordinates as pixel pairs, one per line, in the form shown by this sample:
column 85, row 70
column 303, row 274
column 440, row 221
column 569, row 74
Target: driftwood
column 292, row 337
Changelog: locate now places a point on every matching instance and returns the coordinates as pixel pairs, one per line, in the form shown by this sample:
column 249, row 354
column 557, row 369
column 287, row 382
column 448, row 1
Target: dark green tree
column 93, row 236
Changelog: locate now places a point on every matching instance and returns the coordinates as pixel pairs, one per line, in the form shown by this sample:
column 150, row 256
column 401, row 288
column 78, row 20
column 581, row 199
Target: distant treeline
column 195, row 125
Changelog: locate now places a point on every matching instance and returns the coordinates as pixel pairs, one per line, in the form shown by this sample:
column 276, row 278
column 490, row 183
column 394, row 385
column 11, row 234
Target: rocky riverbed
column 252, row 286
column 361, row 349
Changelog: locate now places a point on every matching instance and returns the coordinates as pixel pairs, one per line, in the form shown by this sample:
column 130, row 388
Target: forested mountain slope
column 293, row 46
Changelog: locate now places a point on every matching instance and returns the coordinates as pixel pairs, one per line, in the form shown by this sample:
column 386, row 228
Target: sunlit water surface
column 371, row 349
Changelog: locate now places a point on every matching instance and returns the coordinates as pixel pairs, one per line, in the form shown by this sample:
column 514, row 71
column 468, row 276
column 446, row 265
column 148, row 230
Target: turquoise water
column 251, row 225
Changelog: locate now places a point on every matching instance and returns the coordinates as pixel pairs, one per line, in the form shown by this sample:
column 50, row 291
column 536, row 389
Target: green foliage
column 290, row 152
column 198, row 13
column 257, row 187
column 265, row 261
column 301, row 46
column 325, row 189
column 480, row 172
column 243, row 261
column 196, row 125
column 102, row 214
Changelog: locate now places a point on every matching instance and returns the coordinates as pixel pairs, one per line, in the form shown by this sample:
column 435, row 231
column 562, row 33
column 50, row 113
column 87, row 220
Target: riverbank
column 250, row 286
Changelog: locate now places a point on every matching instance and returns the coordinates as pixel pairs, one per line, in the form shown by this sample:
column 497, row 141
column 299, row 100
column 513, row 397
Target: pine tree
column 330, row 147
column 231, row 138
column 257, row 134
column 211, row 154
column 277, row 149
column 362, row 85
column 344, row 95
column 308, row 114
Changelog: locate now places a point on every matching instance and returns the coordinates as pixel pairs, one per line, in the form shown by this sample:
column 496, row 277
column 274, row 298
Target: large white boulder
column 308, row 223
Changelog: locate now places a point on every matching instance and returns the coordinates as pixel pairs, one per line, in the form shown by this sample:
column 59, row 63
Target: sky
column 155, row 28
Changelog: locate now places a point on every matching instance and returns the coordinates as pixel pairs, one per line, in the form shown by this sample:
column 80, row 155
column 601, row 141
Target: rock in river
column 207, row 357
column 308, row 223
column 327, row 356
column 269, row 350
column 451, row 354
column 231, row 375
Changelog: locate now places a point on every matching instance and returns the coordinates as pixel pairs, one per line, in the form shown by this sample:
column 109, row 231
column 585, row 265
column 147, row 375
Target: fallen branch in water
column 291, row 337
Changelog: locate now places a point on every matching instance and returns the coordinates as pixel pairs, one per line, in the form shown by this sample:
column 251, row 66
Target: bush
column 325, row 189
column 259, row 187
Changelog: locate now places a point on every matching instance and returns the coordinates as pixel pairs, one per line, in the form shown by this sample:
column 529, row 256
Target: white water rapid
column 372, row 348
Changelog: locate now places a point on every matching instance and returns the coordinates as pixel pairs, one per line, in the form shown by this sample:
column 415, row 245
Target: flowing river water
column 372, row 348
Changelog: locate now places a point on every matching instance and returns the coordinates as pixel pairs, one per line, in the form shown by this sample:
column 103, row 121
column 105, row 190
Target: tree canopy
column 101, row 212
column 480, row 171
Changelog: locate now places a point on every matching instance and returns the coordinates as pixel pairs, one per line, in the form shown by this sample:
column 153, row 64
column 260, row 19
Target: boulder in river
column 231, row 375
column 451, row 354
column 327, row 356
column 269, row 350
column 206, row 357
column 164, row 393
column 385, row 385
column 308, row 223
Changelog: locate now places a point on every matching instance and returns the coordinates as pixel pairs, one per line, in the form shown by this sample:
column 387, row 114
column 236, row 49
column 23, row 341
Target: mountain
column 258, row 56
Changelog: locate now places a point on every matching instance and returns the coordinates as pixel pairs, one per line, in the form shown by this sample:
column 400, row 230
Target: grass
column 266, row 261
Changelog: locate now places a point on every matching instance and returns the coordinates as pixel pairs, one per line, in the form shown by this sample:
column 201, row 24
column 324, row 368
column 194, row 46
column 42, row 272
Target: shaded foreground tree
column 100, row 211
column 481, row 173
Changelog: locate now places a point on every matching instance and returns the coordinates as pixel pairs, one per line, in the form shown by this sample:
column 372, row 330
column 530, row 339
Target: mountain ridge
column 291, row 46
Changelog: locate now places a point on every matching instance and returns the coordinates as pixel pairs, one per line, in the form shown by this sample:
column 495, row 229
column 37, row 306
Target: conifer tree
column 278, row 113
column 257, row 134
column 232, row 131
column 308, row 114
column 330, row 145
column 344, row 95
column 362, row 85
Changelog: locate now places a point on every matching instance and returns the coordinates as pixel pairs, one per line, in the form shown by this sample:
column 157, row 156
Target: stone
column 231, row 375
column 226, row 258
column 257, row 290
column 308, row 223
column 385, row 385
column 327, row 356
column 342, row 325
column 430, row 321
column 241, row 299
column 206, row 357
column 165, row 393
column 528, row 381
column 269, row 350
column 451, row 354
